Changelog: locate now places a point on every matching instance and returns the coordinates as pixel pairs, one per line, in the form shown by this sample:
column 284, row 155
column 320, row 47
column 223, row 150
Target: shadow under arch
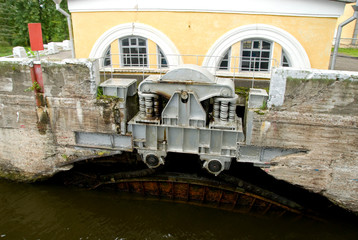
column 293, row 48
column 137, row 29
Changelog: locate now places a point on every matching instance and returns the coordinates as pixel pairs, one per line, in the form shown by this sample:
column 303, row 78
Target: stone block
column 66, row 45
column 257, row 98
column 119, row 87
column 19, row 52
column 52, row 48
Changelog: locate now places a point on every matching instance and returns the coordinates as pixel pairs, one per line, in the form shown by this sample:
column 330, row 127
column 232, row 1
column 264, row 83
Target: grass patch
column 105, row 98
column 5, row 51
column 353, row 52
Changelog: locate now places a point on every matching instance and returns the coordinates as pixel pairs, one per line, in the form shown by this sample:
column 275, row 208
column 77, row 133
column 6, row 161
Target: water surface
column 47, row 211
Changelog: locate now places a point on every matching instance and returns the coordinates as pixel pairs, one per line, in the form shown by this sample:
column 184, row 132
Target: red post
column 36, row 43
column 39, row 79
column 36, row 77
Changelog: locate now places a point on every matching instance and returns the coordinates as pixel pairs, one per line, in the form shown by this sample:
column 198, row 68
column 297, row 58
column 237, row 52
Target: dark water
column 44, row 211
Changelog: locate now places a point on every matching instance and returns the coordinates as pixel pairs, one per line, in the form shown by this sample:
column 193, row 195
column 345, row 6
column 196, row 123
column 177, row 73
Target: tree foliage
column 16, row 14
column 7, row 28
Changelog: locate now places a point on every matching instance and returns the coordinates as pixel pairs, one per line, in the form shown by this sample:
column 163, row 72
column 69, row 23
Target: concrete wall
column 319, row 113
column 35, row 140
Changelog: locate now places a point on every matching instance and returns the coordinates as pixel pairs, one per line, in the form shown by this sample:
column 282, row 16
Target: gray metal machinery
column 187, row 110
column 198, row 118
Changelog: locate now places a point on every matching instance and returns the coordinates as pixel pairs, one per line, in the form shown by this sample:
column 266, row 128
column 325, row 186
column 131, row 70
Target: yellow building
column 228, row 36
column 349, row 31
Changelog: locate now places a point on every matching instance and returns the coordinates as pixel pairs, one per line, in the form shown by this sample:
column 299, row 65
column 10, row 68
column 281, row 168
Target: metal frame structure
column 187, row 110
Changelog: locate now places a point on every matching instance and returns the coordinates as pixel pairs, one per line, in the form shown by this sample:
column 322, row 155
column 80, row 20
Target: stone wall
column 319, row 113
column 35, row 140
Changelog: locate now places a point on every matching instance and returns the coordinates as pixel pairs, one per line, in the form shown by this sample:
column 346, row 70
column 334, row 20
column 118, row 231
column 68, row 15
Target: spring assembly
column 216, row 110
column 142, row 106
column 156, row 106
column 232, row 110
column 149, row 106
column 224, row 111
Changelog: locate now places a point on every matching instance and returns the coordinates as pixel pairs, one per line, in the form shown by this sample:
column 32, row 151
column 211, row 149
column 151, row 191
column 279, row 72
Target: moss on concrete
column 242, row 91
column 298, row 81
column 16, row 175
column 8, row 66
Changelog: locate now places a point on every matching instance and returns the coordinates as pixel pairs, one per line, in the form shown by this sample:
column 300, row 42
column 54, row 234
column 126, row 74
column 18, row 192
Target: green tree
column 54, row 24
column 17, row 14
column 7, row 26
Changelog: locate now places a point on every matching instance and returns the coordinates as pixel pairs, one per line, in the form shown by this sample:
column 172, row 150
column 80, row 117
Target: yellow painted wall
column 152, row 51
column 277, row 55
column 348, row 30
column 195, row 33
column 234, row 60
column 115, row 54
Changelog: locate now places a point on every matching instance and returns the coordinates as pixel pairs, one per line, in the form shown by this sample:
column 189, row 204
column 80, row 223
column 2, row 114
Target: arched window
column 107, row 57
column 225, row 60
column 134, row 52
column 162, row 60
column 255, row 55
column 285, row 62
column 132, row 29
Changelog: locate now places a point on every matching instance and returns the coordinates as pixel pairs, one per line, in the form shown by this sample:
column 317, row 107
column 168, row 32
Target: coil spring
column 149, row 106
column 156, row 107
column 216, row 110
column 224, row 111
column 232, row 112
column 142, row 106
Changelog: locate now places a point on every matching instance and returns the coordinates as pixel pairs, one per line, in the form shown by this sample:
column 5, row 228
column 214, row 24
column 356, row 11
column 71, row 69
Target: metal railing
column 347, row 42
column 237, row 67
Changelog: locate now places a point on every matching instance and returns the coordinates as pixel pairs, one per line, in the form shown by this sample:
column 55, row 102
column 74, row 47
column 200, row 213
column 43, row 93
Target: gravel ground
column 346, row 63
column 57, row 56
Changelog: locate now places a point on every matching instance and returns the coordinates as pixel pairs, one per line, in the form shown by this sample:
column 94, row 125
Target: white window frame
column 161, row 56
column 283, row 57
column 107, row 57
column 128, row 55
column 223, row 58
column 255, row 63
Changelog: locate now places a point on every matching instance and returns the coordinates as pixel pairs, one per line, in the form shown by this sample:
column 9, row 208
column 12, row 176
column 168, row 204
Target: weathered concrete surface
column 319, row 114
column 35, row 140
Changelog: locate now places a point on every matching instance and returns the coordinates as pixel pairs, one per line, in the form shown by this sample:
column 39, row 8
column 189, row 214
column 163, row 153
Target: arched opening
column 254, row 55
column 252, row 41
column 166, row 54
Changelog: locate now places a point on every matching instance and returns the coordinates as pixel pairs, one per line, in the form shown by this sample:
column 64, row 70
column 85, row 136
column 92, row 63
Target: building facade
column 227, row 36
column 349, row 31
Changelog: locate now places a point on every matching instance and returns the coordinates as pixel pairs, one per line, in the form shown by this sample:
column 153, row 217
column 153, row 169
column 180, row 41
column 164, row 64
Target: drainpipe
column 68, row 16
column 339, row 32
